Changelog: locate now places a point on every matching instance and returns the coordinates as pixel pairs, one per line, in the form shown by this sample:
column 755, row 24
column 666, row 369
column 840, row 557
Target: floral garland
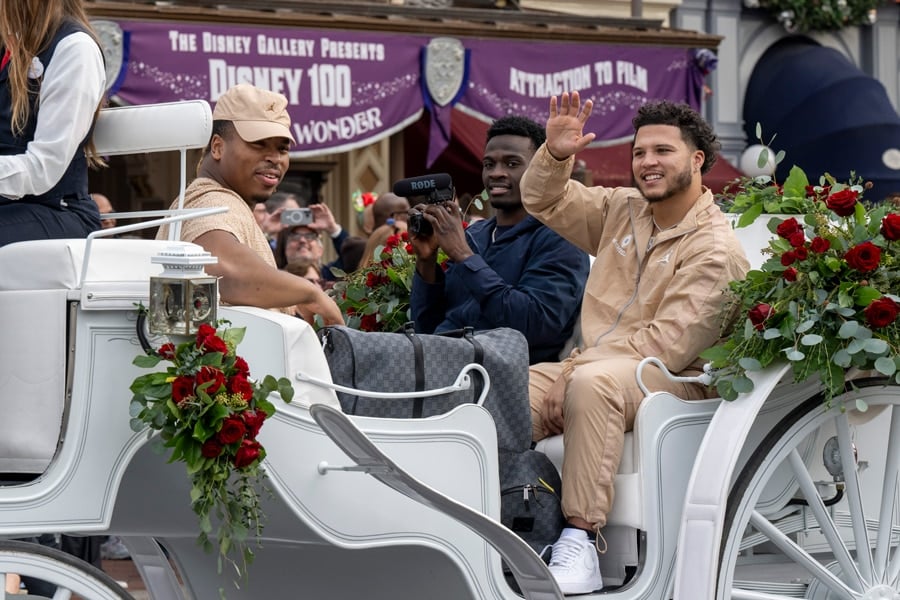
column 800, row 16
column 828, row 298
column 209, row 411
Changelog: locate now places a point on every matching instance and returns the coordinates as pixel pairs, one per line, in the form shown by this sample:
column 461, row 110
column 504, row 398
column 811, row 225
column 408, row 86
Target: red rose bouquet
column 209, row 411
column 826, row 300
column 375, row 297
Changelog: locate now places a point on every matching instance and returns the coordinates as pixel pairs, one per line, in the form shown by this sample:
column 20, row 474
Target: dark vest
column 74, row 183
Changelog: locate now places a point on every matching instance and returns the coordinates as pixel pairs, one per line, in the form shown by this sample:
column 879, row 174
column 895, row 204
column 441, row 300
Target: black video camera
column 436, row 189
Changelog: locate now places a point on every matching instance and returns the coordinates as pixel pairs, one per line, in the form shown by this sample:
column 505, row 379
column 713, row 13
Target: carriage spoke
column 888, row 498
column 800, row 556
column 826, row 524
column 62, row 594
column 854, row 498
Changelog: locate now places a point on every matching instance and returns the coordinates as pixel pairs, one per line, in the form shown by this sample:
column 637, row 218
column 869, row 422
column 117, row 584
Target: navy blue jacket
column 528, row 279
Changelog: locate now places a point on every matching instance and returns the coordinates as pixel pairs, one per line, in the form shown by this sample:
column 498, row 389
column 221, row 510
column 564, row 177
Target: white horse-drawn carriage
column 768, row 497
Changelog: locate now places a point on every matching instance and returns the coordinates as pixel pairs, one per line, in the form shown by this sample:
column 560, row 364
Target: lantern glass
column 178, row 306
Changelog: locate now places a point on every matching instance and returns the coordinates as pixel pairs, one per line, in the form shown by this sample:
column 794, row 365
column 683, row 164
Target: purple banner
column 349, row 89
column 344, row 89
column 618, row 79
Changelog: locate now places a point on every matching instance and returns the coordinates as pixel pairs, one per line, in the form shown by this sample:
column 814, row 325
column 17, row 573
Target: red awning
column 610, row 166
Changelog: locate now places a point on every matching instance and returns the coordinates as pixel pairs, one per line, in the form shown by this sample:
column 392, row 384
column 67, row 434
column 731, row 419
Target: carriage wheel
column 71, row 575
column 815, row 512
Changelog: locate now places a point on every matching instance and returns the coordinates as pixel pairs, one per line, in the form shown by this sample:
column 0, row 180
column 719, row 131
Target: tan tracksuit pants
column 602, row 398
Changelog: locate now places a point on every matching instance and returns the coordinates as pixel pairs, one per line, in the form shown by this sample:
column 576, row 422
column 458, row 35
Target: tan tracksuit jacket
column 645, row 296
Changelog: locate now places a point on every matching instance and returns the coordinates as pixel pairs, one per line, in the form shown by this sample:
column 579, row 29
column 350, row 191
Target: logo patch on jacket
column 621, row 248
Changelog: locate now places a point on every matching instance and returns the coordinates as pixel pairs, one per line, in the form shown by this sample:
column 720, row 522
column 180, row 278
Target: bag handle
column 463, row 382
column 419, row 359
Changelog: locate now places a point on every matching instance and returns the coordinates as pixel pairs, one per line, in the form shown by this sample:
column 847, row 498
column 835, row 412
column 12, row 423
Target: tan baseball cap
column 257, row 114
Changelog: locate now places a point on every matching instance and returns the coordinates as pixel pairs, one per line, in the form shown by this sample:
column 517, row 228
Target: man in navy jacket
column 506, row 271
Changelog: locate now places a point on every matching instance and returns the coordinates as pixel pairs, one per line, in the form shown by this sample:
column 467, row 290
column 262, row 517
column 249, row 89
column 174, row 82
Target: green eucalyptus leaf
column 794, row 355
column 848, row 329
column 806, row 326
column 749, row 364
column 885, row 366
column 771, row 334
column 876, row 346
column 811, row 339
column 856, row 346
column 742, row 385
column 842, row 358
column 861, row 405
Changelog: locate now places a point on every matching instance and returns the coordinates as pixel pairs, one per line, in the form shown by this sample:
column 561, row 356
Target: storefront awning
column 610, row 165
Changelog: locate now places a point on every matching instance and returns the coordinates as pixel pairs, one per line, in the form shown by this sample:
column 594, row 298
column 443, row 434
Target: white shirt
column 74, row 83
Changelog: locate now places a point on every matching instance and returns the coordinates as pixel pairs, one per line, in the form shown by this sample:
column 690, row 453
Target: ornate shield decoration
column 444, row 69
column 112, row 41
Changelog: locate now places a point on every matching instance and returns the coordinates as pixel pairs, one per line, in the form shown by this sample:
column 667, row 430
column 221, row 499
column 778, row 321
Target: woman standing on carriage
column 52, row 82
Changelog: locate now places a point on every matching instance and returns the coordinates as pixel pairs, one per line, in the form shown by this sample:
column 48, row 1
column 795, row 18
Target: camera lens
column 418, row 225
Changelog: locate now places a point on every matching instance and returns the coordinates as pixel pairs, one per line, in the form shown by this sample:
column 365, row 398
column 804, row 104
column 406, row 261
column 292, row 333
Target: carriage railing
column 165, row 217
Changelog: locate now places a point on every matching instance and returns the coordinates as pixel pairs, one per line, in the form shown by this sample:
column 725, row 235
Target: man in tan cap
column 245, row 160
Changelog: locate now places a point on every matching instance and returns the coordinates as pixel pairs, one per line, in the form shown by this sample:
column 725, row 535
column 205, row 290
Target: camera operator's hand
column 446, row 220
column 425, row 247
column 323, row 220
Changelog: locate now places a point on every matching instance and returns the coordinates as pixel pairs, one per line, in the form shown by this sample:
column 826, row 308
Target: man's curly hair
column 695, row 131
column 520, row 126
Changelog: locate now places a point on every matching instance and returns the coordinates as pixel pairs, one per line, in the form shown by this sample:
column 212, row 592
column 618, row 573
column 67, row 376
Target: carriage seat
column 40, row 279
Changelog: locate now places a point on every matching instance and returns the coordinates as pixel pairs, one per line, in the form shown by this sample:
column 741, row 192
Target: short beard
column 682, row 182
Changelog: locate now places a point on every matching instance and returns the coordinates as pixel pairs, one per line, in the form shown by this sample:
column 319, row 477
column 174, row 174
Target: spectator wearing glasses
column 298, row 243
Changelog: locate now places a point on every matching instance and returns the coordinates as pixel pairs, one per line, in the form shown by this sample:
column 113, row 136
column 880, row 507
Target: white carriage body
column 75, row 466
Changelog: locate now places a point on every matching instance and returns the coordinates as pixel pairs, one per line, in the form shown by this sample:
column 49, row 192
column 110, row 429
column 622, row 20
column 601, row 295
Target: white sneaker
column 574, row 563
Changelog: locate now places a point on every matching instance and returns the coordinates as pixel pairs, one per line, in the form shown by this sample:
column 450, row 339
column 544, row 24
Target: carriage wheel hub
column 881, row 592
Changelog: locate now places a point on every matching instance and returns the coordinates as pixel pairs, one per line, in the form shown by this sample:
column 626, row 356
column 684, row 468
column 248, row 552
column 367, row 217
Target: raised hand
column 565, row 126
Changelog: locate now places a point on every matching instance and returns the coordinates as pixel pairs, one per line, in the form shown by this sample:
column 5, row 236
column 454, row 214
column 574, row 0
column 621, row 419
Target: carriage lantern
column 183, row 296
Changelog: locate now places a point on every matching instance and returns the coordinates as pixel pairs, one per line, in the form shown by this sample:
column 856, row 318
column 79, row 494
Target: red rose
column 392, row 241
column 368, row 198
column 863, row 257
column 843, row 202
column 788, row 227
column 215, row 377
column 241, row 366
column 890, row 227
column 208, row 341
column 790, row 274
column 788, row 258
column 232, row 430
column 404, row 235
column 759, row 314
column 819, row 245
column 881, row 313
column 797, row 239
column 167, row 351
column 253, row 420
column 368, row 323
column 182, row 387
column 410, row 249
column 239, row 385
column 211, row 448
column 247, row 454
column 801, row 253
